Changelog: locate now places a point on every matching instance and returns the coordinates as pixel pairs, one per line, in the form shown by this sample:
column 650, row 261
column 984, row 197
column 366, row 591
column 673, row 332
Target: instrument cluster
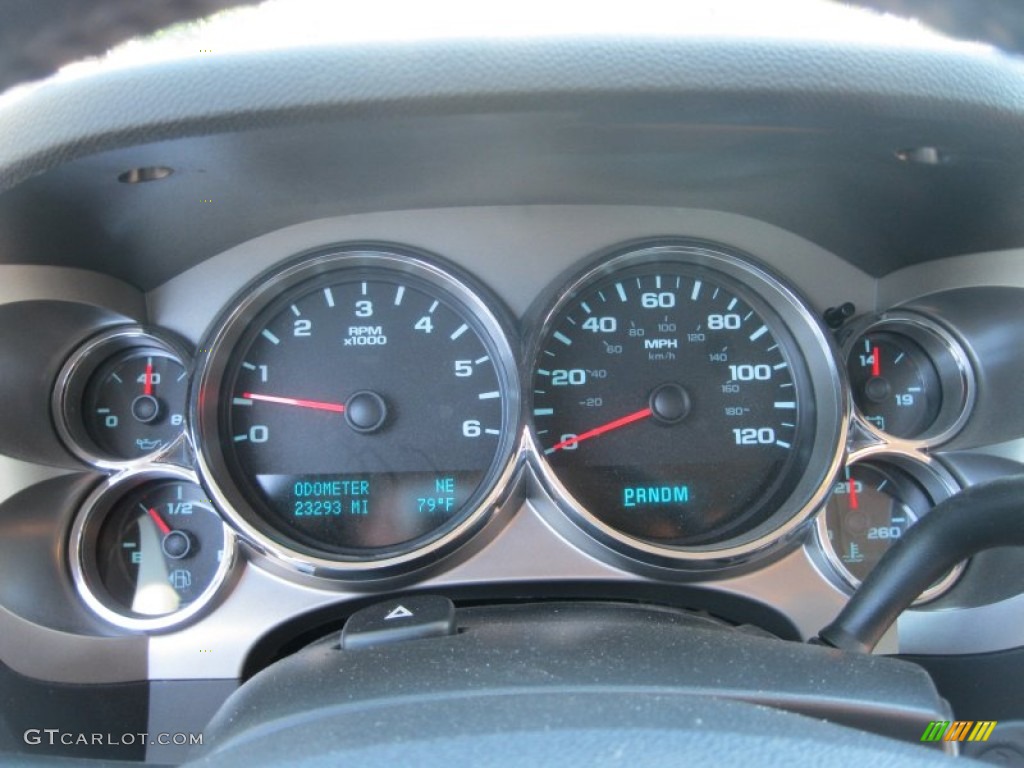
column 365, row 409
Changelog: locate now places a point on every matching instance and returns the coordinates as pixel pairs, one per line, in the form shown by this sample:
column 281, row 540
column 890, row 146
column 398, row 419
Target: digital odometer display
column 671, row 402
column 364, row 410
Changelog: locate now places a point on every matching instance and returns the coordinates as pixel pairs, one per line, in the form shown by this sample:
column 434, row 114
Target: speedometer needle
column 317, row 404
column 568, row 442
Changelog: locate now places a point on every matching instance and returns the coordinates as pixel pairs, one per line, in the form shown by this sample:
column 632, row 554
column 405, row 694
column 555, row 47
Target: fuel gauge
column 150, row 550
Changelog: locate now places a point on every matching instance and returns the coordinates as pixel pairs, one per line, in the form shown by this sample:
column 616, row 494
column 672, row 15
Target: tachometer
column 686, row 402
column 356, row 410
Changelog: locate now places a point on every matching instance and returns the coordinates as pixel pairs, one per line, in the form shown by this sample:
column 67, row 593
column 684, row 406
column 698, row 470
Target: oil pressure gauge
column 120, row 399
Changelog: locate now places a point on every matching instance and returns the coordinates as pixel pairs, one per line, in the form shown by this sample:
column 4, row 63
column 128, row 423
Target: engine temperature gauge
column 871, row 507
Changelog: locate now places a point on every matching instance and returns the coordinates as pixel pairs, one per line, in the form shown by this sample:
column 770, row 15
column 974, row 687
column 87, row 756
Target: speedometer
column 357, row 410
column 686, row 403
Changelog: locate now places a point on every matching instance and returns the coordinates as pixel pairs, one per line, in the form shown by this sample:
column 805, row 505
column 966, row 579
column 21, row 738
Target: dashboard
column 701, row 343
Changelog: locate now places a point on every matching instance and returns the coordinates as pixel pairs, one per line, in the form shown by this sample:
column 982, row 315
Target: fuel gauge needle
column 164, row 527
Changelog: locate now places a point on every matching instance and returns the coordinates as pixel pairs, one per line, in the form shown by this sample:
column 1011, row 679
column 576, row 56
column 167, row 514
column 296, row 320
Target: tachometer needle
column 317, row 404
column 147, row 387
column 876, row 362
column 164, row 527
column 642, row 414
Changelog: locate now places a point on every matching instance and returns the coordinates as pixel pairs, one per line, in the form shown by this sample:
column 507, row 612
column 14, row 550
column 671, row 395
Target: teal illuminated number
column 600, row 324
column 655, row 300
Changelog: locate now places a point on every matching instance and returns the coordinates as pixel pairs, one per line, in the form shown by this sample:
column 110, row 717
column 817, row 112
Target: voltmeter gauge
column 873, row 504
column 149, row 550
column 895, row 384
column 910, row 378
column 120, row 399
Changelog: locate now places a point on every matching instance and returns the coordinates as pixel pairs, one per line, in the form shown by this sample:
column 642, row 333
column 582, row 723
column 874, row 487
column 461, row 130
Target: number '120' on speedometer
column 674, row 404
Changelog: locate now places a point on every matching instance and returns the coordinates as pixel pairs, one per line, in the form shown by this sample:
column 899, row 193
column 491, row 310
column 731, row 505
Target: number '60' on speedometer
column 685, row 402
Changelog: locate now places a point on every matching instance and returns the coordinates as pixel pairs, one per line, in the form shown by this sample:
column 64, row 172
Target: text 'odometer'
column 364, row 409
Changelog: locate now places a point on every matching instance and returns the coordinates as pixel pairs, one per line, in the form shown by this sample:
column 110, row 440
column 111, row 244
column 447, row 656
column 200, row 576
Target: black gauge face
column 871, row 507
column 134, row 404
column 364, row 412
column 870, row 510
column 895, row 384
column 158, row 549
column 672, row 404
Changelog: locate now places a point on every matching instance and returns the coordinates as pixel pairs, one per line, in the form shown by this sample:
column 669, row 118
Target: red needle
column 602, row 429
column 164, row 527
column 318, row 405
column 147, row 389
column 876, row 362
column 854, row 502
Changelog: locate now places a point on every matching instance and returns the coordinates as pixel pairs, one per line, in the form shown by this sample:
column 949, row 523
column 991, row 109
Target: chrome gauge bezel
column 951, row 361
column 81, row 551
column 74, row 377
column 229, row 328
column 933, row 478
column 827, row 387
